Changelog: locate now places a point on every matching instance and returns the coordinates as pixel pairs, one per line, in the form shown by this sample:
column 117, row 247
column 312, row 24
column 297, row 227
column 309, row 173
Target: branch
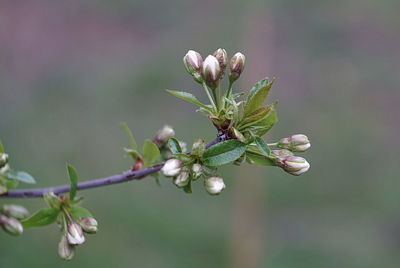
column 113, row 179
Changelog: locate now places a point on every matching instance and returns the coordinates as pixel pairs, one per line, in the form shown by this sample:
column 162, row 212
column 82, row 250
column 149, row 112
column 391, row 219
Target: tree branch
column 113, row 179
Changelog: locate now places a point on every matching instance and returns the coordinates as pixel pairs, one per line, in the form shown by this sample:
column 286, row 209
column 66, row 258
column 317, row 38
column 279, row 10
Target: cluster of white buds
column 294, row 165
column 3, row 159
column 10, row 218
column 214, row 185
column 295, row 143
column 163, row 135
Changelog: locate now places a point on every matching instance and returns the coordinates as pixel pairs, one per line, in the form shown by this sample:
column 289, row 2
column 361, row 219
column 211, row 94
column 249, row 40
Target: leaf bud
column 182, row 179
column 15, row 211
column 211, row 71
column 198, row 147
column 294, row 165
column 214, row 185
column 295, row 143
column 236, row 65
column 11, row 225
column 164, row 134
column 3, row 159
column 222, row 57
column 88, row 224
column 75, row 234
column 172, row 167
column 65, row 249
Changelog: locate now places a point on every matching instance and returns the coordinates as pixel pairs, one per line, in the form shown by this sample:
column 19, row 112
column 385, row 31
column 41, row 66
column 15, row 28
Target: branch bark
column 113, row 179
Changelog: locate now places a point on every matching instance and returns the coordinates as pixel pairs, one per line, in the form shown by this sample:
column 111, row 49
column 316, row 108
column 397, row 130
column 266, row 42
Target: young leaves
column 150, row 152
column 42, row 217
column 21, row 176
column 223, row 153
column 73, row 177
column 263, row 146
column 128, row 132
column 174, row 146
column 189, row 97
column 257, row 95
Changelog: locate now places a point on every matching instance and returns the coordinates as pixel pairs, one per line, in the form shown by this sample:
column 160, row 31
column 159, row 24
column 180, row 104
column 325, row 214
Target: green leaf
column 1, row 147
column 129, row 134
column 73, row 177
column 257, row 95
column 173, row 145
column 133, row 153
column 254, row 116
column 223, row 153
column 80, row 212
column 189, row 97
column 267, row 122
column 21, row 176
column 259, row 159
column 42, row 217
column 263, row 146
column 150, row 152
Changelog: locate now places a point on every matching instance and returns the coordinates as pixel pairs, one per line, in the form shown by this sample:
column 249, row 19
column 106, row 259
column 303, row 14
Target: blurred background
column 70, row 71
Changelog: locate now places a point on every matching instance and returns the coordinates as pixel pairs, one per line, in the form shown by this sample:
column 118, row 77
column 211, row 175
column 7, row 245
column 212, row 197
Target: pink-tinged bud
column 164, row 134
column 222, row 57
column 65, row 249
column 182, row 179
column 75, row 234
column 88, row 224
column 172, row 167
column 3, row 159
column 236, row 65
column 15, row 211
column 11, row 225
column 193, row 61
column 214, row 185
column 295, row 143
column 211, row 70
column 294, row 165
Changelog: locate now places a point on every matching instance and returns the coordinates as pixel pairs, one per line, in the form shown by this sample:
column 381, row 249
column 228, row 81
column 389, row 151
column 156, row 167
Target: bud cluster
column 10, row 216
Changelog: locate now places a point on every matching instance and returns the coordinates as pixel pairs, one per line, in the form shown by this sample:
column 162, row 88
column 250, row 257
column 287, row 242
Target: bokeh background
column 70, row 71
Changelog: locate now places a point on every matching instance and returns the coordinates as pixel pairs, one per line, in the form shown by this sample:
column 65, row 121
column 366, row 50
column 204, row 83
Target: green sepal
column 42, row 217
column 223, row 153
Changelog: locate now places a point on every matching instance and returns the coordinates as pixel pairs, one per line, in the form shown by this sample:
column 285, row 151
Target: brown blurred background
column 70, row 71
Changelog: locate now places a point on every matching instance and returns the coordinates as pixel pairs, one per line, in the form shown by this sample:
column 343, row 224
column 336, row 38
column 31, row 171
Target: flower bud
column 182, row 179
column 5, row 169
column 282, row 153
column 88, row 224
column 294, row 165
column 193, row 63
column 172, row 167
column 236, row 65
column 65, row 249
column 222, row 57
column 75, row 235
column 214, row 185
column 164, row 134
column 15, row 211
column 211, row 70
column 3, row 159
column 198, row 147
column 197, row 171
column 295, row 143
column 11, row 225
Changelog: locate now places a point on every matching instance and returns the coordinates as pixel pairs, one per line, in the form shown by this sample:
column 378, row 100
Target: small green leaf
column 80, row 212
column 42, row 217
column 189, row 97
column 255, row 116
column 73, row 177
column 1, row 147
column 263, row 146
column 259, row 159
column 21, row 176
column 257, row 95
column 173, row 145
column 223, row 153
column 129, row 134
column 150, row 152
column 267, row 122
column 133, row 153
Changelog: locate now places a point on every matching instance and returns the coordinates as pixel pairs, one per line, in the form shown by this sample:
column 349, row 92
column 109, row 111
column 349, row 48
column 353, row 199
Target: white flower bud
column 211, row 70
column 88, row 224
column 164, row 134
column 172, row 167
column 15, row 211
column 214, row 185
column 75, row 235
column 294, row 165
column 193, row 61
column 222, row 57
column 3, row 159
column 5, row 169
column 182, row 179
column 11, row 225
column 295, row 143
column 65, row 249
column 236, row 65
